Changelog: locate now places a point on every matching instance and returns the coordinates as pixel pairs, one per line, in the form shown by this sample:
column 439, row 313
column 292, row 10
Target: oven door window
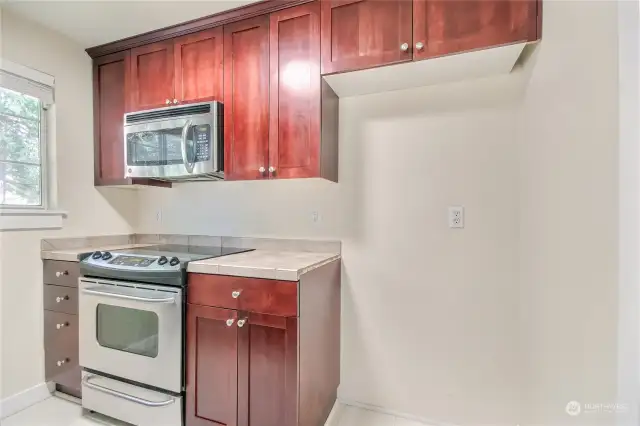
column 126, row 329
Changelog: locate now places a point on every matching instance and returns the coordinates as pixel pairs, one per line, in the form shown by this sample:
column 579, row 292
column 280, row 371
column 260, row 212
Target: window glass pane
column 19, row 184
column 126, row 329
column 20, row 139
column 18, row 104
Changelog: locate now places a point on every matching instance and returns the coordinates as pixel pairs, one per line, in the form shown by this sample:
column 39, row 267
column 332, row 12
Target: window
column 22, row 149
column 27, row 184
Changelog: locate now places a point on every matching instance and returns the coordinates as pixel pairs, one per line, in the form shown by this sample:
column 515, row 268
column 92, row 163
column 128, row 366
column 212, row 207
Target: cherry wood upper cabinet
column 151, row 76
column 442, row 27
column 360, row 34
column 246, row 99
column 198, row 66
column 212, row 366
column 294, row 141
column 267, row 370
column 108, row 109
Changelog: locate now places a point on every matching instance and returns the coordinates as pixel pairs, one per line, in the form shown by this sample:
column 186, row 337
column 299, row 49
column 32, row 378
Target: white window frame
column 45, row 215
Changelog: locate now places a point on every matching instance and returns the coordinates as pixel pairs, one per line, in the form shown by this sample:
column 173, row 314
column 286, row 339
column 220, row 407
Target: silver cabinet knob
column 61, row 273
column 241, row 322
column 261, row 169
column 419, row 45
column 272, row 169
column 61, row 362
column 59, row 326
column 404, row 47
column 175, row 101
column 60, row 299
column 230, row 322
column 168, row 102
column 236, row 294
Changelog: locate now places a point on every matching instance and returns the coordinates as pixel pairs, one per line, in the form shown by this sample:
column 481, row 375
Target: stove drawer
column 61, row 299
column 129, row 403
column 246, row 294
column 61, row 273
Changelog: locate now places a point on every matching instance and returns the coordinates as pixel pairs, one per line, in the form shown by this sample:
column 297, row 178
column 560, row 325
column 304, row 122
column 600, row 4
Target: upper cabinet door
column 108, row 111
column 246, row 99
column 359, row 34
column 151, row 78
column 442, row 27
column 198, row 66
column 294, row 142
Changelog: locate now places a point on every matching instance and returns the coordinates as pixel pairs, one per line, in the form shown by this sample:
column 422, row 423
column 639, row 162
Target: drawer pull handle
column 61, row 273
column 60, row 299
column 236, row 294
column 241, row 322
column 62, row 362
column 59, row 326
column 230, row 322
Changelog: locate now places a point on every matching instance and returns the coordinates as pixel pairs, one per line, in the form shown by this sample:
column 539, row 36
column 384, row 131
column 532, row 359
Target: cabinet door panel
column 108, row 110
column 446, row 27
column 212, row 367
column 294, row 142
column 364, row 33
column 246, row 98
column 198, row 66
column 151, row 77
column 267, row 371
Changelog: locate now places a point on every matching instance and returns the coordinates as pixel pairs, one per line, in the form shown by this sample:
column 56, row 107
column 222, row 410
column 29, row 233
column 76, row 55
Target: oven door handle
column 185, row 132
column 170, row 299
column 146, row 402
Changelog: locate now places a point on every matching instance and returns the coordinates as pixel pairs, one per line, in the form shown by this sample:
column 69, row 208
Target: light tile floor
column 59, row 412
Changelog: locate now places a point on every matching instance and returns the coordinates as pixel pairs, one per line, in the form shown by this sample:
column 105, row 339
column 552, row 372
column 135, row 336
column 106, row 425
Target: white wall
column 568, row 163
column 91, row 211
column 429, row 313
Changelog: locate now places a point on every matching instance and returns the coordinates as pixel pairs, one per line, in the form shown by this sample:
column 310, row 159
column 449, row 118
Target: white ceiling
column 92, row 23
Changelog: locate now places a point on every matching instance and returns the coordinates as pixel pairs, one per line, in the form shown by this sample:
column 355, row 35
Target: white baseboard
column 383, row 410
column 334, row 415
column 24, row 399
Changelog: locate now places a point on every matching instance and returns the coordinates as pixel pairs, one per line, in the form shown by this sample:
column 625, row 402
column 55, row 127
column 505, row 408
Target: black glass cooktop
column 183, row 252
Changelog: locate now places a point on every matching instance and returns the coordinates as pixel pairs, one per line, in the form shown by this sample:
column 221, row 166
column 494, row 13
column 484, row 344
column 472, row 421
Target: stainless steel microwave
column 175, row 143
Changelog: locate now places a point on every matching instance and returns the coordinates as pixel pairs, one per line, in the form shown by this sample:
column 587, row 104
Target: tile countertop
column 72, row 255
column 278, row 265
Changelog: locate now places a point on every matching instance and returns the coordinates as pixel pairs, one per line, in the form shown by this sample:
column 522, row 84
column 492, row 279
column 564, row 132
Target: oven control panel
column 121, row 261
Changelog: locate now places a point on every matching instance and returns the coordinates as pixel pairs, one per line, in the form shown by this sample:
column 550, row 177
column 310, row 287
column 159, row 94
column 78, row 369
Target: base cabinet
column 251, row 368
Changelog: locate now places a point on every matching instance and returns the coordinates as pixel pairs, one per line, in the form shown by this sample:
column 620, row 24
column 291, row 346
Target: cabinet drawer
column 61, row 273
column 251, row 294
column 58, row 360
column 61, row 299
column 60, row 330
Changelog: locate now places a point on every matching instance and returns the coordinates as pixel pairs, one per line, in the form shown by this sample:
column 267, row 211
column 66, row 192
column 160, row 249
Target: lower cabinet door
column 267, row 370
column 212, row 366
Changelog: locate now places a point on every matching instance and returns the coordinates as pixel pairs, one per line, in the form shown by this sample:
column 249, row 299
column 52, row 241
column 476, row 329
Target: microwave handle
column 185, row 132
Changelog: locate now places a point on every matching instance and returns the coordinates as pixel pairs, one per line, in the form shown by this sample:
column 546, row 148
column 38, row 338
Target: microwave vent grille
column 164, row 113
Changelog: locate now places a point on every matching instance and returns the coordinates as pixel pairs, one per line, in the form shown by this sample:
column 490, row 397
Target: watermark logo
column 573, row 408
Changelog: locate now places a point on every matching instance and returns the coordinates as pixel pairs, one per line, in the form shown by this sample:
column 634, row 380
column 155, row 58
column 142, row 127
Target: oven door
column 176, row 148
column 132, row 331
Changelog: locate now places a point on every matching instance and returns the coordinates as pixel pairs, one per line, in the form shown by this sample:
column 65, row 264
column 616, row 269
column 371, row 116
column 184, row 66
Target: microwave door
column 179, row 149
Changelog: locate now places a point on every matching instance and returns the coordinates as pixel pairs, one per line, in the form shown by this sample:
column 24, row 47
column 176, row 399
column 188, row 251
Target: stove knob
column 162, row 260
column 174, row 261
column 106, row 255
column 96, row 255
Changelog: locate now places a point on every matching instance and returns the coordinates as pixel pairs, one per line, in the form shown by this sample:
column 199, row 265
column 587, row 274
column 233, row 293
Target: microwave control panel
column 202, row 139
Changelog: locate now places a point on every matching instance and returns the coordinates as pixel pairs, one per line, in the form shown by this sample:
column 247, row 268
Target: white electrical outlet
column 456, row 217
column 315, row 216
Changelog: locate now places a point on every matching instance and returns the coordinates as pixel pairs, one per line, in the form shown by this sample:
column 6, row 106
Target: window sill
column 30, row 219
